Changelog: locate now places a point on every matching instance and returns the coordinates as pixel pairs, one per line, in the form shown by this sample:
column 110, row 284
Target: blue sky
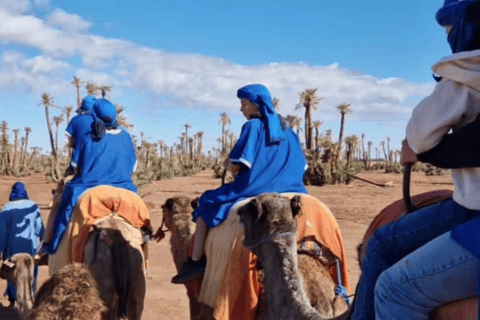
column 177, row 62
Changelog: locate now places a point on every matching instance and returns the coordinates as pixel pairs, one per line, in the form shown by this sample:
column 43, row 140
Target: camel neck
column 286, row 298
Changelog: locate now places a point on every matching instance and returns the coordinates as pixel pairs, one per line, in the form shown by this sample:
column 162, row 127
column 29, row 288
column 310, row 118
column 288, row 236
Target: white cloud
column 186, row 80
column 15, row 6
column 68, row 22
column 41, row 64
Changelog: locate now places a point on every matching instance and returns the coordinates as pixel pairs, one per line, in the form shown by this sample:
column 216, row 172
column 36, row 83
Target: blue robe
column 78, row 128
column 110, row 161
column 21, row 228
column 266, row 167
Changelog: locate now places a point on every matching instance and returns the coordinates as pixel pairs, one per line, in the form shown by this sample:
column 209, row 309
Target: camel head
column 18, row 270
column 175, row 206
column 267, row 216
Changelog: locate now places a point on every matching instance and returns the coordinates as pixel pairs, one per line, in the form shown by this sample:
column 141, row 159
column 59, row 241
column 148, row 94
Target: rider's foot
column 190, row 270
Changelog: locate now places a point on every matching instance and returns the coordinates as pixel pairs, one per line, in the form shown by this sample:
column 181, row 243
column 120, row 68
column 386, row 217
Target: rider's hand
column 234, row 168
column 159, row 235
column 408, row 156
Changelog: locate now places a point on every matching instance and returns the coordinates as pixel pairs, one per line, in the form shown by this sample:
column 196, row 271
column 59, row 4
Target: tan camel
column 71, row 293
column 177, row 216
column 270, row 232
column 18, row 270
column 118, row 267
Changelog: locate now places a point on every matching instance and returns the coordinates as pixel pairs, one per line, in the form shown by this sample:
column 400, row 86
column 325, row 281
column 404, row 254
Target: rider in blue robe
column 107, row 158
column 79, row 127
column 21, row 229
column 269, row 158
column 266, row 167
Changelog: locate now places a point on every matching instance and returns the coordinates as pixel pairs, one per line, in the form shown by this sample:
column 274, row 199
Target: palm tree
column 92, row 89
column 388, row 149
column 15, row 145
column 104, row 89
column 224, row 120
column 28, row 130
column 122, row 119
column 5, row 146
column 351, row 142
column 370, row 144
column 78, row 83
column 68, row 112
column 308, row 100
column 187, row 126
column 200, row 145
column 57, row 120
column 275, row 102
column 344, row 108
column 47, row 102
column 317, row 124
column 382, row 143
column 290, row 119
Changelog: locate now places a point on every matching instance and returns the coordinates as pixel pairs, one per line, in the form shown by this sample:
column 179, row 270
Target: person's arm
column 433, row 117
column 460, row 149
column 245, row 150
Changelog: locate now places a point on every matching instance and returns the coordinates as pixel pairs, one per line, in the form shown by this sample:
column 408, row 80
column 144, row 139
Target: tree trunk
column 340, row 138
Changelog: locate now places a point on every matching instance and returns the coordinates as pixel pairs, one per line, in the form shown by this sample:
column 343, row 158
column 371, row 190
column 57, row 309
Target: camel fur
column 270, row 232
column 177, row 215
column 18, row 270
column 70, row 294
column 118, row 266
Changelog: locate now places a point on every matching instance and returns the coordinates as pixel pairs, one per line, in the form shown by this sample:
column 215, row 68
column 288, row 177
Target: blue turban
column 18, row 192
column 105, row 118
column 260, row 96
column 464, row 18
column 87, row 105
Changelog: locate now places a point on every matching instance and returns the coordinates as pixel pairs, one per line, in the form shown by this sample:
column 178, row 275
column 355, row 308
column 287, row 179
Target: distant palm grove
column 329, row 161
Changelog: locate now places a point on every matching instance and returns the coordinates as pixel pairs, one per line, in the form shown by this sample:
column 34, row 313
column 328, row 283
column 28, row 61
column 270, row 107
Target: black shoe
column 190, row 270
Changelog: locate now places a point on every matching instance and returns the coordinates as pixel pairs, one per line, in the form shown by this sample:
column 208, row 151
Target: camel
column 270, row 232
column 118, row 266
column 177, row 217
column 71, row 293
column 18, row 270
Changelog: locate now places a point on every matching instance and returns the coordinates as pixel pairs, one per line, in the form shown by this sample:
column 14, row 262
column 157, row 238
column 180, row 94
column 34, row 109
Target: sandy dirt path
column 353, row 205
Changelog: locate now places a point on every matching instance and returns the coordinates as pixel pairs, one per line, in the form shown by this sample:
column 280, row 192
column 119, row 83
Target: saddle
column 94, row 206
column 230, row 285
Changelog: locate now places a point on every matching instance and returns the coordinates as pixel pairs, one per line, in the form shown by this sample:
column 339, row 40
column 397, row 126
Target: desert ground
column 354, row 207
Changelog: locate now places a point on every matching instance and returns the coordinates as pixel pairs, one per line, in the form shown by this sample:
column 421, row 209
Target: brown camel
column 71, row 293
column 118, row 266
column 18, row 270
column 270, row 232
column 177, row 216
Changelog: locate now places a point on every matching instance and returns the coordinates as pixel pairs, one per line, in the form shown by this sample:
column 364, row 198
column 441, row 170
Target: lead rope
column 340, row 290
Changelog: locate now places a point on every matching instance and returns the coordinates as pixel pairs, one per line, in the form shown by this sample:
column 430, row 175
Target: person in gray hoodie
column 417, row 263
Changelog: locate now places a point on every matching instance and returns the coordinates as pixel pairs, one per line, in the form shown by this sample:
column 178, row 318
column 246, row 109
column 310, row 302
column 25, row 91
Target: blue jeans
column 396, row 240
column 439, row 272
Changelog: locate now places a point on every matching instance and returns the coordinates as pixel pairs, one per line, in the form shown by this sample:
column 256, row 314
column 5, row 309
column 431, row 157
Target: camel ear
column 6, row 268
column 257, row 208
column 171, row 204
column 295, row 205
column 194, row 203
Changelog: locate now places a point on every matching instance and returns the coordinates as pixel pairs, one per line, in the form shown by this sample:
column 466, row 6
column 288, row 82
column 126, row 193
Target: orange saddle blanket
column 230, row 284
column 99, row 202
